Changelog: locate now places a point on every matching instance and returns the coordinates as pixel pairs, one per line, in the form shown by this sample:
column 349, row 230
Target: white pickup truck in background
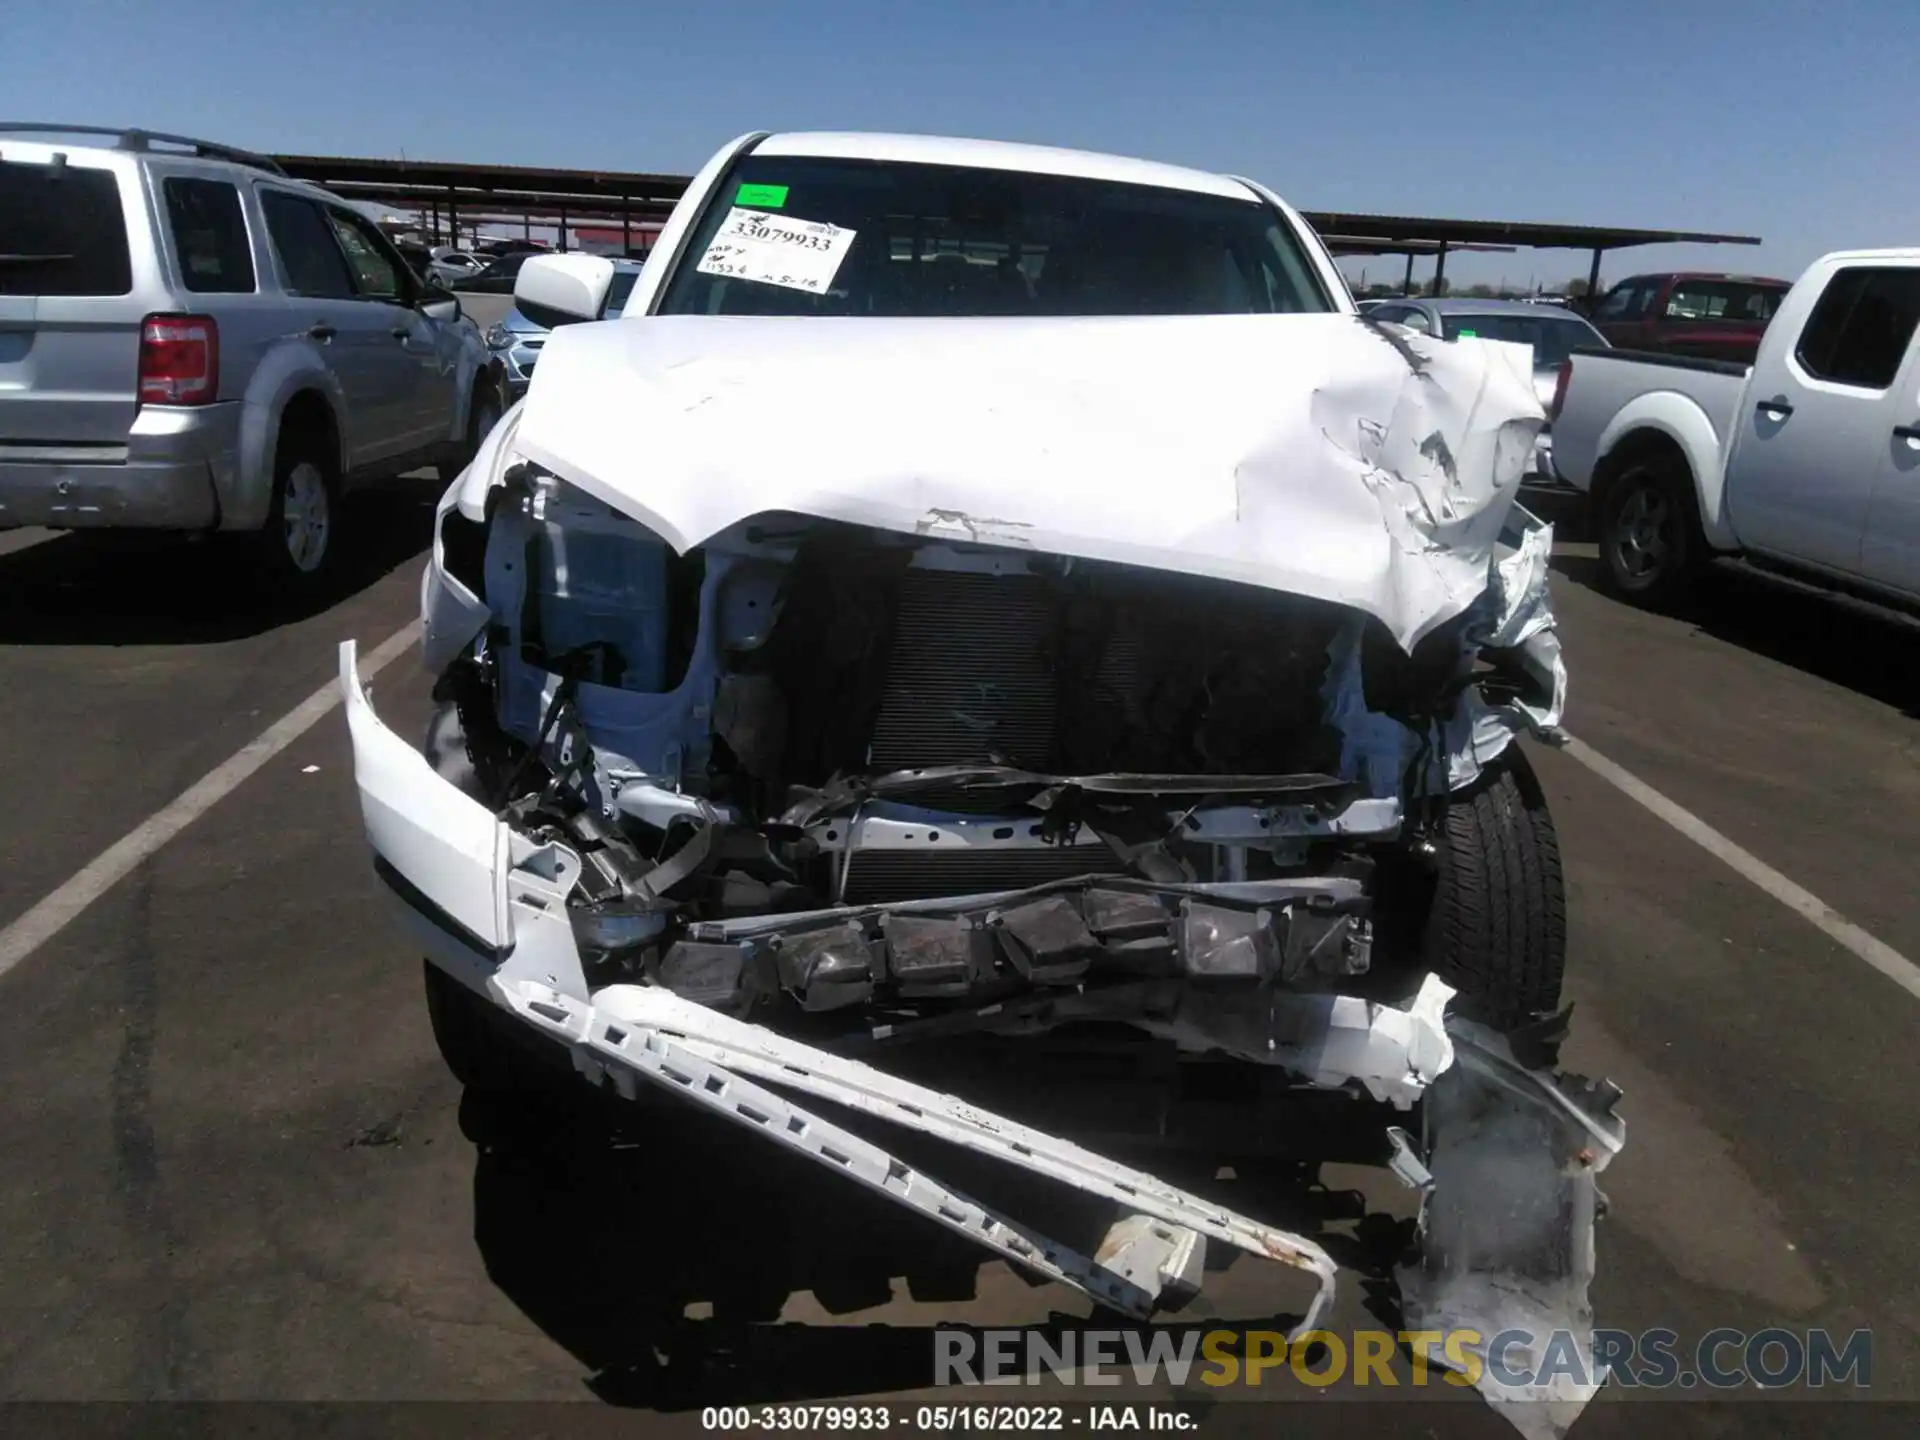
column 1806, row 463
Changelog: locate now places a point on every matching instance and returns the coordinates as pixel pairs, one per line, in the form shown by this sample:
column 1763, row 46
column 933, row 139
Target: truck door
column 1809, row 444
column 1890, row 553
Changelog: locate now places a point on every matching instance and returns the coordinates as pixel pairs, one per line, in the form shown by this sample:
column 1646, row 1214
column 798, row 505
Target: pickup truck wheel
column 1650, row 541
column 298, row 544
column 483, row 413
column 1497, row 927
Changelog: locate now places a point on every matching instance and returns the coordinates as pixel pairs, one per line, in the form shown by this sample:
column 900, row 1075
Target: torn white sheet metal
column 1514, row 615
column 1518, row 618
column 712, row 1059
column 449, row 846
column 1507, row 1226
column 1314, row 454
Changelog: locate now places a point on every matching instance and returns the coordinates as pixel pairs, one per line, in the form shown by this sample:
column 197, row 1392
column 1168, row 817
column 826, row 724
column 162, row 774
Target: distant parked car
column 493, row 248
column 213, row 348
column 453, row 268
column 514, row 342
column 496, row 277
column 1711, row 317
column 1554, row 334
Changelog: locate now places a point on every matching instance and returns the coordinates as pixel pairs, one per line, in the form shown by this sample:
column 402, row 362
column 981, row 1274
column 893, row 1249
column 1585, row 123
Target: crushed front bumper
column 490, row 907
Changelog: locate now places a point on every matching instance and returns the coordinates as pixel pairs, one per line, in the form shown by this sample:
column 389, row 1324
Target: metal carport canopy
column 611, row 194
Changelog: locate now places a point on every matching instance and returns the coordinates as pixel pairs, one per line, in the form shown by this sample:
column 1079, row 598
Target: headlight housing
column 499, row 337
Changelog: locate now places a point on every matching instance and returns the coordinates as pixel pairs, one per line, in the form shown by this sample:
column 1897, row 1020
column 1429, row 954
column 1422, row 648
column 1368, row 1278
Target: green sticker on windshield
column 1466, row 334
column 761, row 197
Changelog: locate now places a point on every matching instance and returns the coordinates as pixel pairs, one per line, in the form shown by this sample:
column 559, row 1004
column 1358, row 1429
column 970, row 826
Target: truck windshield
column 809, row 236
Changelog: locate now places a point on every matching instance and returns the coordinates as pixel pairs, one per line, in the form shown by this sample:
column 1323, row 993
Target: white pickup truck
column 1806, row 463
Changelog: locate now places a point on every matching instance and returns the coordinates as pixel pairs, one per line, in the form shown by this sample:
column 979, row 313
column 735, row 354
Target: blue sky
column 1795, row 122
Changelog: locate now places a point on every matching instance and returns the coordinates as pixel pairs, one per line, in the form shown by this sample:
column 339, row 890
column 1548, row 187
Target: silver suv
column 191, row 341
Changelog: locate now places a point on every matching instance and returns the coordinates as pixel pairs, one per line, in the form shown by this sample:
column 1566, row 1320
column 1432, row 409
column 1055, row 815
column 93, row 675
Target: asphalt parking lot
column 237, row 1170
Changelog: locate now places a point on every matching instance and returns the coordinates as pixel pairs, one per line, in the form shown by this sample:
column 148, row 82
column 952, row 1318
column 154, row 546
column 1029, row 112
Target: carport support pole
column 626, row 224
column 1406, row 285
column 563, row 229
column 1593, row 276
column 453, row 218
column 1440, row 270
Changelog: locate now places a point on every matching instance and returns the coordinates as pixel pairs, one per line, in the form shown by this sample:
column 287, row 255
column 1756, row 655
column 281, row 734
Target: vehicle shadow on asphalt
column 1874, row 657
column 659, row 1245
column 122, row 588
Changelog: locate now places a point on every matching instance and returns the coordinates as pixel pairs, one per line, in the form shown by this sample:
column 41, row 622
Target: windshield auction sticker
column 777, row 250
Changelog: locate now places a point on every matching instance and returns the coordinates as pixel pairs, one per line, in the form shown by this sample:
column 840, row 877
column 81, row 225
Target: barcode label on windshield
column 777, row 250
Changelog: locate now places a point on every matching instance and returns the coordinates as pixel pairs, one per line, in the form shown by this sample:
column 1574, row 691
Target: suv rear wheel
column 301, row 539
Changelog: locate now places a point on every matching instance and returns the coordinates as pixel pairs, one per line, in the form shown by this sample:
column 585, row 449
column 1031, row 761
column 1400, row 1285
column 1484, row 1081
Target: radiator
column 968, row 675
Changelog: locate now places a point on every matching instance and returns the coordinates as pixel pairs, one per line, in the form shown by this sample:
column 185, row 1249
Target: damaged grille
column 879, row 877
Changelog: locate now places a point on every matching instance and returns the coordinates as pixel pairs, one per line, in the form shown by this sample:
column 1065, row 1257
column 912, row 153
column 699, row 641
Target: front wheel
column 1497, row 927
column 1650, row 541
column 487, row 1051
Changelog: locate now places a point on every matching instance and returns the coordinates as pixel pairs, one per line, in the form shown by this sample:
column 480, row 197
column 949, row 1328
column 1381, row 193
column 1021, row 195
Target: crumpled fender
column 451, row 614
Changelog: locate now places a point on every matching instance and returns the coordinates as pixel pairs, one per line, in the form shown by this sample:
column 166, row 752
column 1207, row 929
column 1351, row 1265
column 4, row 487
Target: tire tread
column 1498, row 927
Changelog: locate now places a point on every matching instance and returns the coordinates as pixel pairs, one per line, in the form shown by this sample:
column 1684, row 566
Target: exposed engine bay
column 722, row 808
column 775, row 755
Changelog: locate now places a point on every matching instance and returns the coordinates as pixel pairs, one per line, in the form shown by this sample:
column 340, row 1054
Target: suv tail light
column 179, row 360
column 1560, row 389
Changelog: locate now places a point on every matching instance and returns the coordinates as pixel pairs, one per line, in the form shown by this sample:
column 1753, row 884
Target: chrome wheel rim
column 306, row 516
column 1643, row 533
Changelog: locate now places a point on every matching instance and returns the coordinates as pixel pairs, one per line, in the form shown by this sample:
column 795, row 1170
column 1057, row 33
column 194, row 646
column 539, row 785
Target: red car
column 1714, row 317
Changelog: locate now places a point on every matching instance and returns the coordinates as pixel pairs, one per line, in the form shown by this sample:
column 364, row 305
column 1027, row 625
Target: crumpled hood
column 1315, row 454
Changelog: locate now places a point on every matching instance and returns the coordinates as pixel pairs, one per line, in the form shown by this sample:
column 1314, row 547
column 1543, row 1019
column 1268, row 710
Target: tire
column 485, row 1049
column 298, row 548
column 1648, row 528
column 483, row 413
column 1497, row 926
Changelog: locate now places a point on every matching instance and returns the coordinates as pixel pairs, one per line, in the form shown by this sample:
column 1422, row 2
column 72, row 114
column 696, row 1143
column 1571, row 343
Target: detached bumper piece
column 1510, row 1197
column 1150, row 1260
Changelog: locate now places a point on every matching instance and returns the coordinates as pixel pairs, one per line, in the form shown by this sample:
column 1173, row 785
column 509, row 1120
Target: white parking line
column 56, row 911
column 1877, row 953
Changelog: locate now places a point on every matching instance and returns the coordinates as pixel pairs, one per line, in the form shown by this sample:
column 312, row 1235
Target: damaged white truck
column 984, row 588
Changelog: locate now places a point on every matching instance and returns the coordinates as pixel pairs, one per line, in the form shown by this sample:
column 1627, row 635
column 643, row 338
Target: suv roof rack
column 141, row 140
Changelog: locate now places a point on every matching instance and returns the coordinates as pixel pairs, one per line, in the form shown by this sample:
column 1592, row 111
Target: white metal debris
column 630, row 1032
